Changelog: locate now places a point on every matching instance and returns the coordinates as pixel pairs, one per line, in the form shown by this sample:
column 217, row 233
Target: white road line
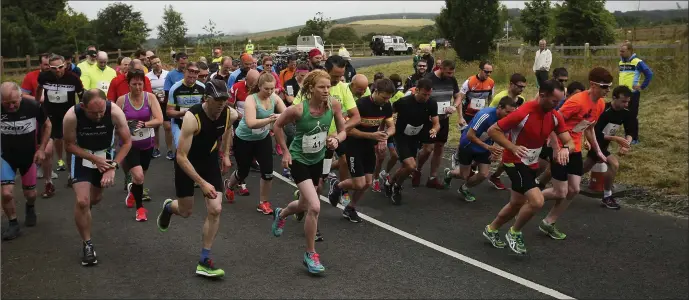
column 441, row 249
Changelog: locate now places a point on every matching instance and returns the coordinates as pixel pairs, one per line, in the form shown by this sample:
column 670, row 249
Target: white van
column 394, row 45
column 306, row 43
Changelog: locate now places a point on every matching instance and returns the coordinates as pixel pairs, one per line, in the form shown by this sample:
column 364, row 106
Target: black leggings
column 246, row 151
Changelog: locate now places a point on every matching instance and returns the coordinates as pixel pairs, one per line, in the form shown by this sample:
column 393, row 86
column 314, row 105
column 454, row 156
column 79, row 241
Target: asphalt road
column 429, row 247
column 360, row 62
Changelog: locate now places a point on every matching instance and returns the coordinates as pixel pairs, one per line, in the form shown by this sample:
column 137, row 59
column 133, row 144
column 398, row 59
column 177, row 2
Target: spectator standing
column 631, row 68
column 541, row 65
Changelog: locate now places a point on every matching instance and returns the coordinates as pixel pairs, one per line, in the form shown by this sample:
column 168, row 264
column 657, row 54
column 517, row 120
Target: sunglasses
column 487, row 72
column 203, row 76
column 563, row 80
column 193, row 71
column 603, row 85
column 57, row 67
column 269, row 66
column 520, row 86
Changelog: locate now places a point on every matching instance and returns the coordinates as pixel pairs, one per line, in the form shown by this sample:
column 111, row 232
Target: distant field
column 396, row 22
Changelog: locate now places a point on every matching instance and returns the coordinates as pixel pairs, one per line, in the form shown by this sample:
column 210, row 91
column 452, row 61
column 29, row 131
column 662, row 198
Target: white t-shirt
column 157, row 83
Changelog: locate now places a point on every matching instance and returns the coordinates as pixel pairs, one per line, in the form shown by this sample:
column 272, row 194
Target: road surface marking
column 441, row 249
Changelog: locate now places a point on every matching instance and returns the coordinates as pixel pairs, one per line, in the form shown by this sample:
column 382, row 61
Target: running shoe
column 264, row 208
column 129, row 201
column 60, row 166
column 164, row 217
column 243, row 191
column 312, row 261
column 350, row 214
column 11, row 232
column 551, row 231
column 376, row 186
column 454, row 160
column 53, row 175
column 434, row 183
column 447, row 179
column 516, row 241
column 396, row 194
column 141, row 214
column 170, row 155
column 89, row 258
column 156, row 153
column 208, row 269
column 497, row 183
column 388, row 188
column 278, row 223
column 319, row 236
column 610, row 202
column 466, row 194
column 415, row 178
column 146, row 196
column 49, row 190
column 229, row 193
column 39, row 172
column 334, row 193
column 70, row 180
column 30, row 216
column 493, row 237
column 287, row 174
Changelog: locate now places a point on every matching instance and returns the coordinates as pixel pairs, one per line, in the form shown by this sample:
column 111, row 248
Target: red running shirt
column 529, row 126
column 580, row 113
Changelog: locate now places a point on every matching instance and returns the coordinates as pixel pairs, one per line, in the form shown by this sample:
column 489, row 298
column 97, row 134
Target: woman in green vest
column 312, row 119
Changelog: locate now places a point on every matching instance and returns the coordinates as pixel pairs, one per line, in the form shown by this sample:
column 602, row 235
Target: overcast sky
column 234, row 17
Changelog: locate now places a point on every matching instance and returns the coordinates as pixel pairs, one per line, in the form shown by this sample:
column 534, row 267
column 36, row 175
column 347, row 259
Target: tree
column 173, row 30
column 23, row 30
column 471, row 26
column 584, row 21
column 118, row 26
column 343, row 34
column 537, row 20
column 211, row 36
column 316, row 26
column 69, row 32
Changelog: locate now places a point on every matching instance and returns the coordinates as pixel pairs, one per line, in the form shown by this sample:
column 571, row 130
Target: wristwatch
column 115, row 164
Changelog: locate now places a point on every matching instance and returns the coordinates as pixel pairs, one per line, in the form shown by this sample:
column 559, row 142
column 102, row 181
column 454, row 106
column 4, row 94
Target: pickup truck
column 305, row 44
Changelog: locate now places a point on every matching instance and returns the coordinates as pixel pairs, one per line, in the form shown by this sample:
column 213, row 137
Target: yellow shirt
column 343, row 95
column 500, row 95
column 85, row 66
column 96, row 78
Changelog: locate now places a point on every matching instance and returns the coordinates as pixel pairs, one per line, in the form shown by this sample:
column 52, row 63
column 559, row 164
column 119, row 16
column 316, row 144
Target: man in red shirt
column 522, row 134
column 30, row 82
column 119, row 85
column 580, row 112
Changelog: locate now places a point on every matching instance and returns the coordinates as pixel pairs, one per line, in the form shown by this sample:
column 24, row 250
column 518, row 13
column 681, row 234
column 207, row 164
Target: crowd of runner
column 329, row 125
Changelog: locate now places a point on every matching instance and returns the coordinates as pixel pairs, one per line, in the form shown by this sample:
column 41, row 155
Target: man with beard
column 239, row 74
column 421, row 68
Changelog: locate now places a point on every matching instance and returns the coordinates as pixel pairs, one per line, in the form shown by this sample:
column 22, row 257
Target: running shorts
column 440, row 137
column 522, row 177
column 406, row 146
column 163, row 106
column 466, row 156
column 136, row 157
column 208, row 168
column 246, row 151
column 302, row 172
column 574, row 167
column 361, row 158
column 27, row 170
column 83, row 170
column 546, row 152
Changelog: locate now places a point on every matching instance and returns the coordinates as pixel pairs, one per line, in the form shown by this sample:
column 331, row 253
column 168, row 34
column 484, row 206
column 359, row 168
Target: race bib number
column 313, row 143
column 412, row 130
column 611, row 129
column 582, row 126
column 87, row 163
column 57, row 96
column 104, row 86
column 477, row 104
column 531, row 156
column 142, row 134
column 290, row 91
column 442, row 106
column 260, row 130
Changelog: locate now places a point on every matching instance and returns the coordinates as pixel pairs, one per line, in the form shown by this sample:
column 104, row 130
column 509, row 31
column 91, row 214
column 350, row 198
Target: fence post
column 678, row 50
column 119, row 52
column 28, row 63
column 521, row 53
column 587, row 53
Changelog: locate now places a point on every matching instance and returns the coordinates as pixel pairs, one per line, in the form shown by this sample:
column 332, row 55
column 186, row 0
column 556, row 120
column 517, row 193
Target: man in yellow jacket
column 249, row 48
column 100, row 76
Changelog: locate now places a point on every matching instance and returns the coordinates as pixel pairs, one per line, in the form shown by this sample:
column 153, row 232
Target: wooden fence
column 28, row 63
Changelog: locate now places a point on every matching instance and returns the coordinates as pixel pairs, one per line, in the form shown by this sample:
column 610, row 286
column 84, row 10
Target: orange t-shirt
column 286, row 74
column 580, row 112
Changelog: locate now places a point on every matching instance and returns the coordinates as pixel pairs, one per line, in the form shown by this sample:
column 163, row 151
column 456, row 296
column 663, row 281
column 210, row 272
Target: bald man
column 123, row 66
column 359, row 86
column 100, row 76
column 21, row 120
column 119, row 86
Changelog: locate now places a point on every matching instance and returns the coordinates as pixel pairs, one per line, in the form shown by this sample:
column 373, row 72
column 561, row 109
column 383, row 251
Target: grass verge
column 657, row 166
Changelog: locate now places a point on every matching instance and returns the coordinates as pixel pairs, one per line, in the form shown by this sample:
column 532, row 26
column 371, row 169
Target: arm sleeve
column 171, row 95
column 27, row 86
column 548, row 59
column 629, row 128
column 512, row 120
column 455, row 87
column 112, row 90
column 569, row 108
column 648, row 74
column 465, row 87
column 86, row 80
column 168, row 83
column 481, row 123
column 433, row 107
column 348, row 101
column 560, row 127
column 147, row 85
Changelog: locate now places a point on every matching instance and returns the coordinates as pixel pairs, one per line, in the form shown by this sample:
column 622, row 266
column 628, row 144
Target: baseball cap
column 246, row 58
column 217, row 89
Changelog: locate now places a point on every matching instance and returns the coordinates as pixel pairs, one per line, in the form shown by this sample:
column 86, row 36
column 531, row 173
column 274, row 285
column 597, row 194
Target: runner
column 90, row 62
column 157, row 77
column 379, row 177
column 241, row 73
column 238, row 95
column 292, row 88
column 143, row 114
column 225, row 65
column 183, row 95
column 22, row 120
column 421, row 67
column 514, row 92
column 359, row 86
column 580, row 113
column 171, row 79
column 544, row 175
column 413, row 113
column 252, row 140
column 203, row 72
column 197, row 163
column 313, row 118
column 100, row 76
column 447, row 95
column 119, row 86
column 364, row 140
column 61, row 88
column 522, row 134
column 289, row 72
column 316, row 60
column 476, row 147
column 615, row 115
column 89, row 134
